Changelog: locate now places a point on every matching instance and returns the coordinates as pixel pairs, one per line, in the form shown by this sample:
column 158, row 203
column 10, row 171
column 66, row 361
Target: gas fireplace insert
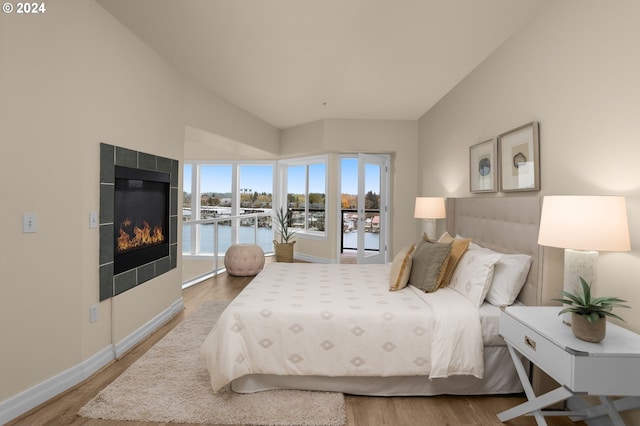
column 141, row 217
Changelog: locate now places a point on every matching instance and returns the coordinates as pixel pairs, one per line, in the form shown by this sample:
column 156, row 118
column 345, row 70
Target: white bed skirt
column 500, row 377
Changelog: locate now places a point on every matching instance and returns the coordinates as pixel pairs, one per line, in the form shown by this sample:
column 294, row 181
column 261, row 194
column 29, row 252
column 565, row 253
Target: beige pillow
column 445, row 238
column 401, row 268
column 458, row 248
column 428, row 260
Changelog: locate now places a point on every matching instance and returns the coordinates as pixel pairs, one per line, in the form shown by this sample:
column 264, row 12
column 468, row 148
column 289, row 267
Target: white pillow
column 509, row 276
column 472, row 278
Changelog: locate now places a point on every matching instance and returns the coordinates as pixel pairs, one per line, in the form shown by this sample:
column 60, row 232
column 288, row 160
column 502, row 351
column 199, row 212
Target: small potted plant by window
column 284, row 248
column 589, row 314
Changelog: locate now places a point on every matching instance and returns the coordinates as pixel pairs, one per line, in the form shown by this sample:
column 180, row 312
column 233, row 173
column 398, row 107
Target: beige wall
column 575, row 70
column 201, row 145
column 71, row 78
column 209, row 112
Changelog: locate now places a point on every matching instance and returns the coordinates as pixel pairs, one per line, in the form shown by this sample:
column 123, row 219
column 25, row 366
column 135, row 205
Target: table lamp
column 583, row 226
column 430, row 209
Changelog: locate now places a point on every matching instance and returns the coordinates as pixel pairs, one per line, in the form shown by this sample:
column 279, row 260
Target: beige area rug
column 168, row 384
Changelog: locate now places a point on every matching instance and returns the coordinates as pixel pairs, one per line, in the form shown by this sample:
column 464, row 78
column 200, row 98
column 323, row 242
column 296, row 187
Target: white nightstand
column 608, row 368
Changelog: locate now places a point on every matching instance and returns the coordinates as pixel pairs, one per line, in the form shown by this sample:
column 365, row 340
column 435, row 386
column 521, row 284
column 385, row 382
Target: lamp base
column 578, row 263
column 430, row 229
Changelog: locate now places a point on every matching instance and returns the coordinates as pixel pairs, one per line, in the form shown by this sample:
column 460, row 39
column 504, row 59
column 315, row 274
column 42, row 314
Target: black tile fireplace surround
column 160, row 257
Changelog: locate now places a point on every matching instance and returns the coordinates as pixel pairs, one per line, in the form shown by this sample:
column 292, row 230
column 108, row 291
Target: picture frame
column 519, row 151
column 483, row 163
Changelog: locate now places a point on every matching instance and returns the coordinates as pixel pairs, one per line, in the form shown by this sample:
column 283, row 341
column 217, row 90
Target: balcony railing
column 204, row 242
column 350, row 224
column 314, row 222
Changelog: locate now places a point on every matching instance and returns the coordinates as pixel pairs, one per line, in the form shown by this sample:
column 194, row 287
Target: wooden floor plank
column 361, row 411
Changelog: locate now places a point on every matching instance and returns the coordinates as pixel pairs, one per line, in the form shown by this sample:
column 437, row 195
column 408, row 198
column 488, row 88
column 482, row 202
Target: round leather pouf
column 244, row 260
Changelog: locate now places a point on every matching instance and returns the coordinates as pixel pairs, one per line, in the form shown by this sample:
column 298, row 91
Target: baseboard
column 141, row 333
column 42, row 392
column 312, row 259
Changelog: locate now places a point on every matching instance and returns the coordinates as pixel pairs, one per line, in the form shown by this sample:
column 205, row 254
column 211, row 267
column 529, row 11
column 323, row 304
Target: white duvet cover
column 341, row 320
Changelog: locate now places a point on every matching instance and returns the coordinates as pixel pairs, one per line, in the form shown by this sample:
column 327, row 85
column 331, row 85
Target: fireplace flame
column 138, row 237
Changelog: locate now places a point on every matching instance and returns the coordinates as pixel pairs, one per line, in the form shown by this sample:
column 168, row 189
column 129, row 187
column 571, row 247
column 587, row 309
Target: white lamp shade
column 429, row 208
column 584, row 223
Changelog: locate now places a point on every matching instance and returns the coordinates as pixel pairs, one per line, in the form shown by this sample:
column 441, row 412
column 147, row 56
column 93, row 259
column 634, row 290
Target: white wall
column 575, row 70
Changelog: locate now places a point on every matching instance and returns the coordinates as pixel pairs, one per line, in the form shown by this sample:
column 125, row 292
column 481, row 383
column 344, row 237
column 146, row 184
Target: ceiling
column 290, row 62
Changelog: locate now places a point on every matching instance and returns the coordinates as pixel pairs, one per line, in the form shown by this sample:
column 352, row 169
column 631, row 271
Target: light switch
column 29, row 222
column 93, row 220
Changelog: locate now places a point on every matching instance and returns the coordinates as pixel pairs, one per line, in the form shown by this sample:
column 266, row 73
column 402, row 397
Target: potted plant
column 588, row 315
column 284, row 248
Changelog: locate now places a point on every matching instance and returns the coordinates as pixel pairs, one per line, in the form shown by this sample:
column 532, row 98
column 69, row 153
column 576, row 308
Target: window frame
column 283, row 190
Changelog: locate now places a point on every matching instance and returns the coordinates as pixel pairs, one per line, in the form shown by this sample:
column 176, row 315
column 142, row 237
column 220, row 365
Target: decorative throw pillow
column 428, row 260
column 458, row 249
column 446, row 238
column 509, row 275
column 401, row 268
column 473, row 275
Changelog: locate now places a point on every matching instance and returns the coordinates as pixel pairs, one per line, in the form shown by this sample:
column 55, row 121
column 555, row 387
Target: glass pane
column 215, row 201
column 215, row 191
column 372, row 206
column 349, row 183
column 296, row 194
column 256, row 187
column 317, row 190
column 187, row 248
column 349, row 202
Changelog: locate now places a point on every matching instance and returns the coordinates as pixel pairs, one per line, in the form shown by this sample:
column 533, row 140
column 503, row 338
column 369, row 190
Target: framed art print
column 519, row 159
column 482, row 166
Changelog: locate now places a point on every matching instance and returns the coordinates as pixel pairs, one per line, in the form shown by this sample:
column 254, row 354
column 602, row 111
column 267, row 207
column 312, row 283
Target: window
column 226, row 189
column 304, row 183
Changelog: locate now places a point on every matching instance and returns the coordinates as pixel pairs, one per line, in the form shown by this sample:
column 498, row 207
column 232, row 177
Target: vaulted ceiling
column 294, row 61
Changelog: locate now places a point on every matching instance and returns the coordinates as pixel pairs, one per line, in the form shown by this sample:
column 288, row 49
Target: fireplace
column 138, row 218
column 141, row 217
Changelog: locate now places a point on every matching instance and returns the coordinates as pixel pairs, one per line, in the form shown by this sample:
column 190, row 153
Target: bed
column 333, row 327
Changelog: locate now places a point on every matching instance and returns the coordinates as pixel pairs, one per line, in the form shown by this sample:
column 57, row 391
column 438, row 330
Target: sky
column 259, row 178
column 349, row 180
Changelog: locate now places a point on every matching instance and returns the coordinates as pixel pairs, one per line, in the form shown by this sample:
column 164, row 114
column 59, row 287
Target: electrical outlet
column 93, row 313
column 29, row 222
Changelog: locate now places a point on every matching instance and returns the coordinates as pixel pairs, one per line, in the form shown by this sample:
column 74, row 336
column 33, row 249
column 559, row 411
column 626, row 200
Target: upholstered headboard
column 504, row 224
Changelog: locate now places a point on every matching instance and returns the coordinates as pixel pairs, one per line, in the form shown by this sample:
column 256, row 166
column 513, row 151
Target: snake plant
column 282, row 220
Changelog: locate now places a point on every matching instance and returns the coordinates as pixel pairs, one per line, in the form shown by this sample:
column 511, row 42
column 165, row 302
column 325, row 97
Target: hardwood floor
column 361, row 411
